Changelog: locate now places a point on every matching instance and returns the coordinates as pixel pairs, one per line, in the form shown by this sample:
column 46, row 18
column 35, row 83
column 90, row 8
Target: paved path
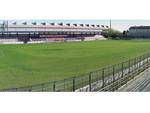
column 98, row 84
column 141, row 83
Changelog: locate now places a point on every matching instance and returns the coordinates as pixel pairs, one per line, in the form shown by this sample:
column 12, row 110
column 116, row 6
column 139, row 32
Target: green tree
column 111, row 33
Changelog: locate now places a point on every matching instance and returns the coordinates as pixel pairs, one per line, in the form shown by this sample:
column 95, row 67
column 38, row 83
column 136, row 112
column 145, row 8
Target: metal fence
column 104, row 79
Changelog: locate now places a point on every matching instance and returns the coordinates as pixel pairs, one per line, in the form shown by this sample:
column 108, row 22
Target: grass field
column 22, row 65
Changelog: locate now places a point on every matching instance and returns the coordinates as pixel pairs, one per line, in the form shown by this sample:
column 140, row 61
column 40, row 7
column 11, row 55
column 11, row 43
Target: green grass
column 22, row 65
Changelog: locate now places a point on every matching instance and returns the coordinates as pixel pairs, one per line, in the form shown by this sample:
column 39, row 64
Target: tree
column 111, row 33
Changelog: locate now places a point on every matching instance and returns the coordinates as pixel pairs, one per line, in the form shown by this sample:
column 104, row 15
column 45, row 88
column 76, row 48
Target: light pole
column 110, row 23
column 110, row 28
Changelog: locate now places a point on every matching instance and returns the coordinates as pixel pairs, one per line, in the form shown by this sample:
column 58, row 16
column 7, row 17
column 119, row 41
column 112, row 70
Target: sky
column 120, row 25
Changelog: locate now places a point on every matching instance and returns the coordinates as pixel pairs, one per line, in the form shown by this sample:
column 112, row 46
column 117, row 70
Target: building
column 48, row 31
column 139, row 32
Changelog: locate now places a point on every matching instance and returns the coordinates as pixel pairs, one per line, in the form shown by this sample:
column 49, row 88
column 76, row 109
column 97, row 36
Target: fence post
column 122, row 69
column 140, row 60
column 64, row 84
column 73, row 87
column 144, row 58
column 113, row 73
column 138, row 63
column 54, row 86
column 30, row 89
column 113, row 77
column 90, row 82
column 147, row 60
column 129, row 67
column 134, row 66
column 103, row 81
column 42, row 87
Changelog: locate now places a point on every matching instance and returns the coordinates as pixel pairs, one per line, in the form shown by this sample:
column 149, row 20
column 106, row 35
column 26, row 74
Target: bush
column 112, row 34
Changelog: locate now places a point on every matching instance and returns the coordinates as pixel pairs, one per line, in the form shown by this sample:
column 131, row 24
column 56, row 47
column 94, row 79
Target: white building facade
column 53, row 27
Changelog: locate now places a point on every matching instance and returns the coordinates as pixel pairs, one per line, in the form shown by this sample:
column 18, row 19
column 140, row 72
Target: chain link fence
column 103, row 79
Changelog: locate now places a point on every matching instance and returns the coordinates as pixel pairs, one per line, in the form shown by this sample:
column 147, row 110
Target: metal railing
column 105, row 79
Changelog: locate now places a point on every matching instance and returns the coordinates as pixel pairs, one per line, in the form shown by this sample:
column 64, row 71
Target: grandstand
column 48, row 32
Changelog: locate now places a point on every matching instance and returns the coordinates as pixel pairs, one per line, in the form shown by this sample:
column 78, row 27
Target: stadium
column 48, row 32
column 76, row 66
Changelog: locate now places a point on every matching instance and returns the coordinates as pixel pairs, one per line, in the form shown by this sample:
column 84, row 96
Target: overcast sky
column 116, row 24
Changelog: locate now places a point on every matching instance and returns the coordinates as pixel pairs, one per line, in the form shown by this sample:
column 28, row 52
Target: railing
column 105, row 79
